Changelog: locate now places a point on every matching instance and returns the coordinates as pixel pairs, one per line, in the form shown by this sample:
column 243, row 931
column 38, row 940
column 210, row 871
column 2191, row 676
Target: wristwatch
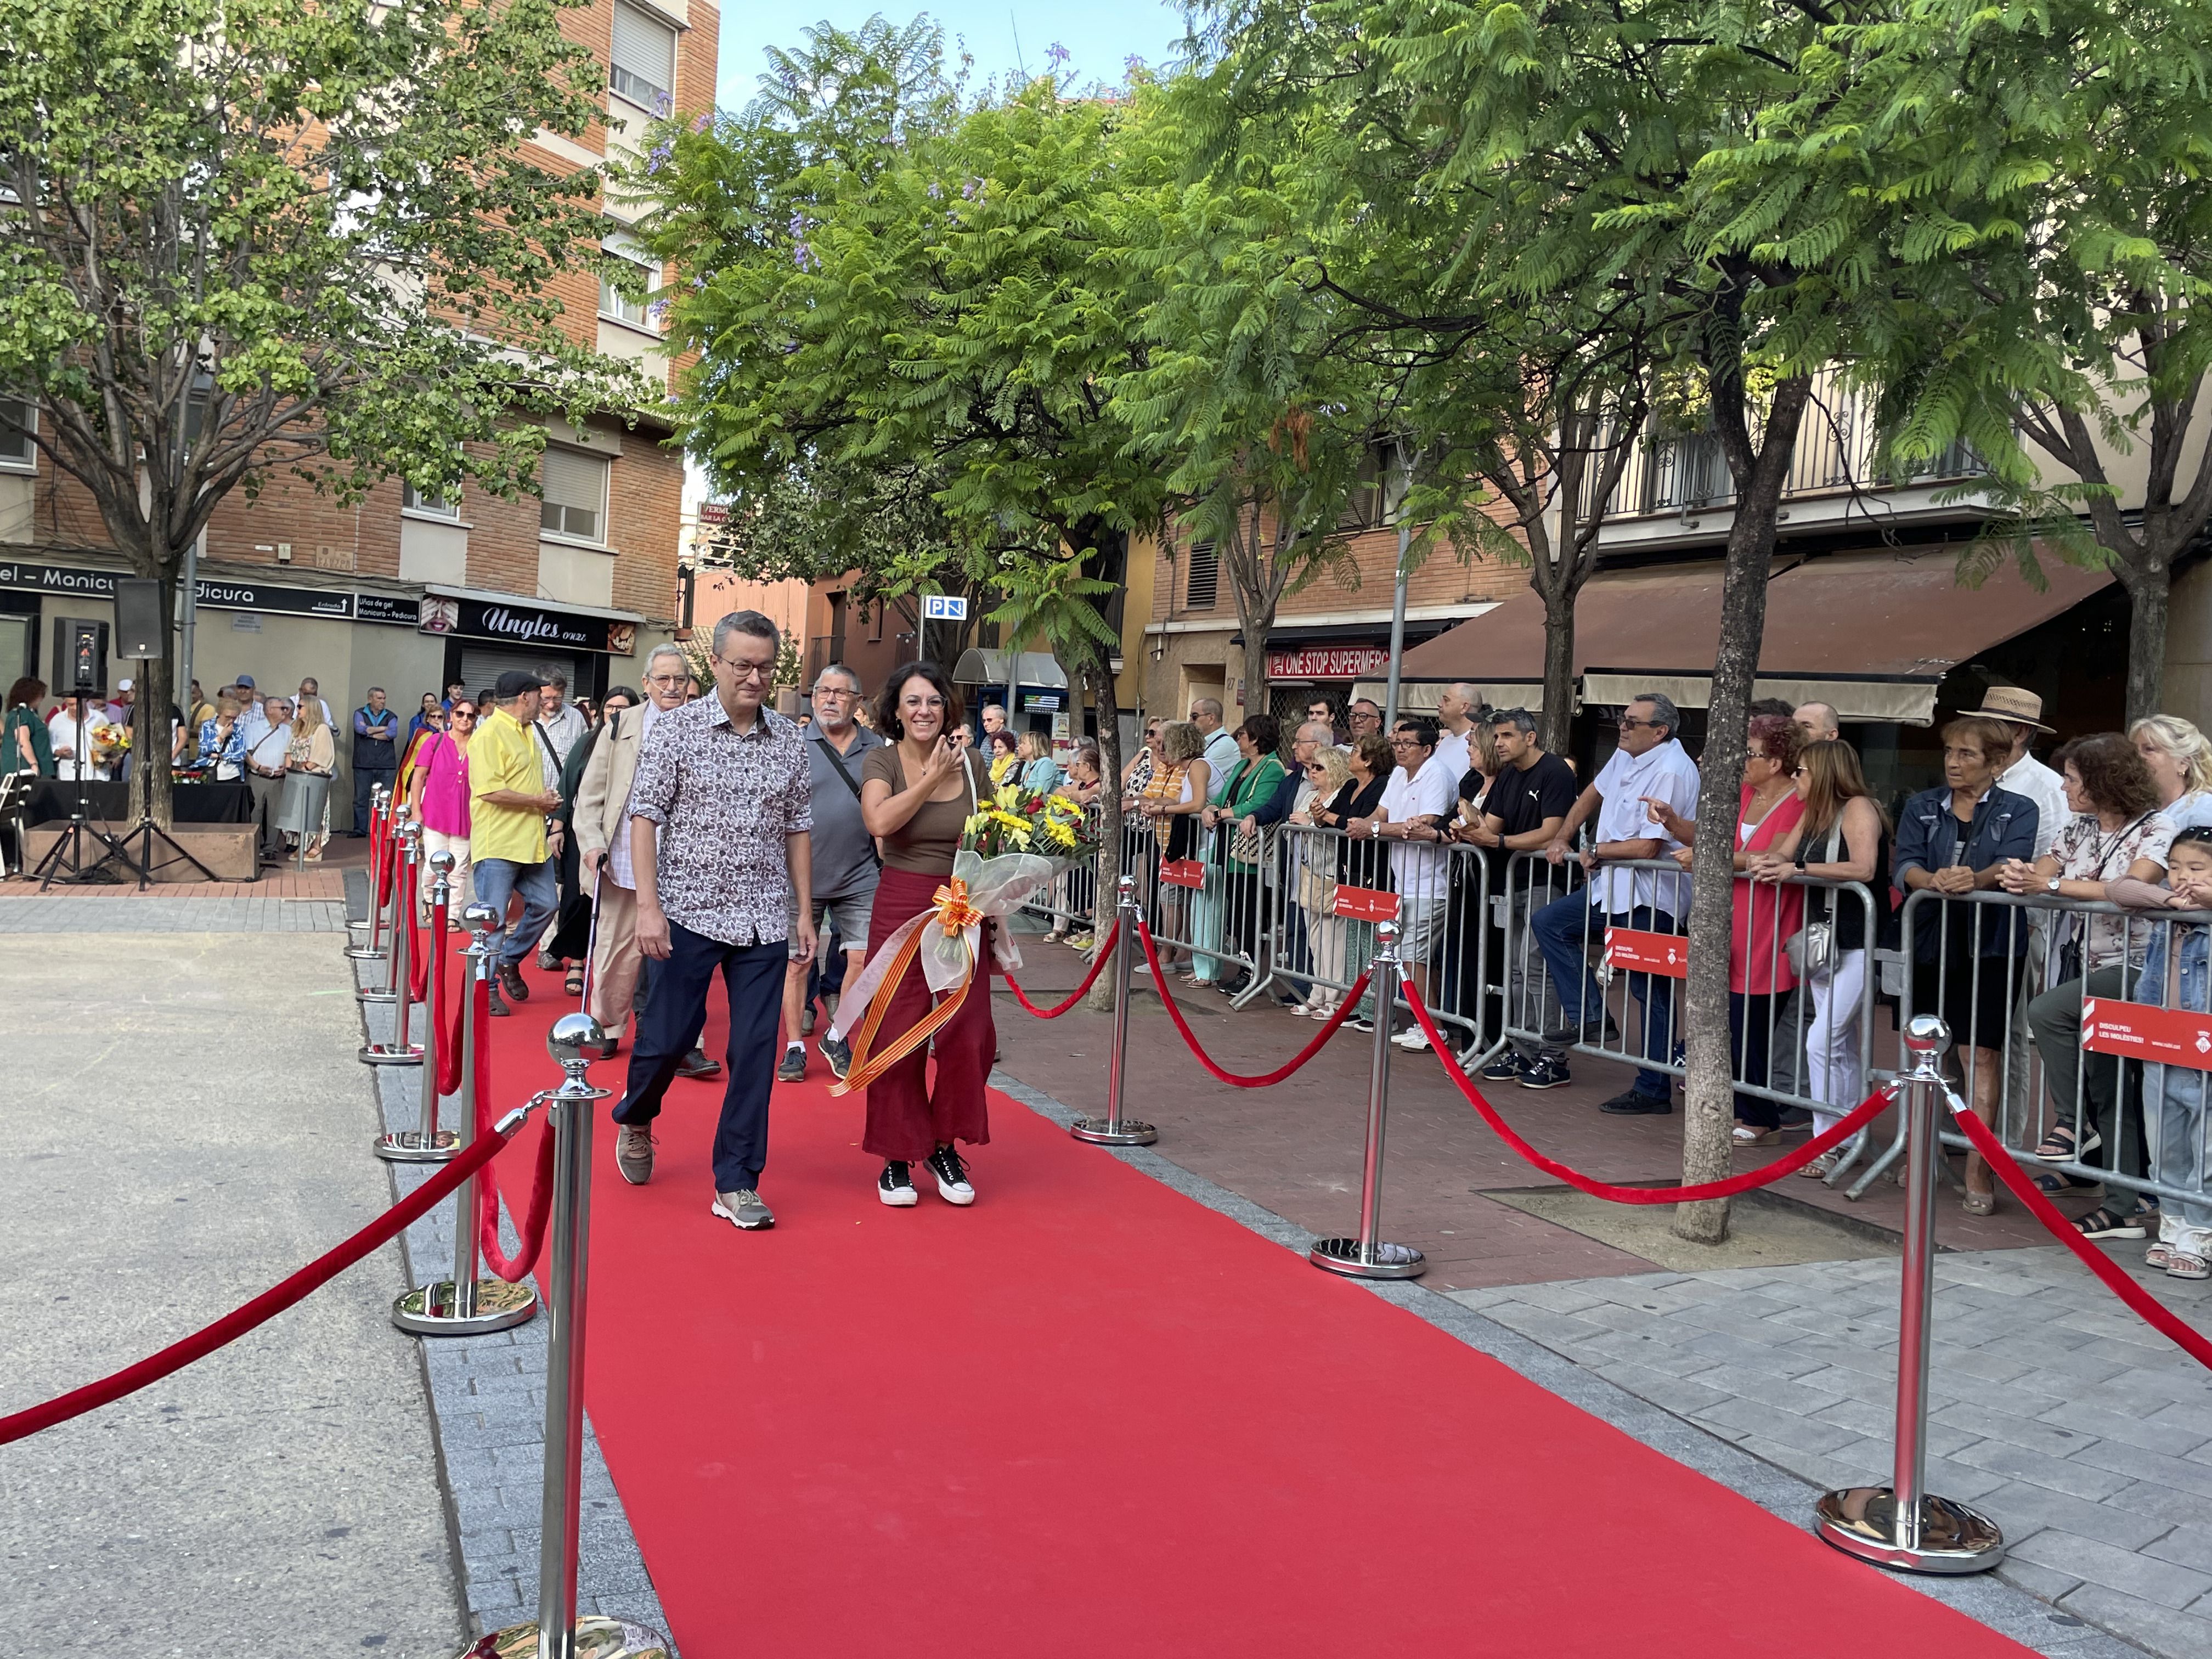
column 1373, row 829
column 2052, row 886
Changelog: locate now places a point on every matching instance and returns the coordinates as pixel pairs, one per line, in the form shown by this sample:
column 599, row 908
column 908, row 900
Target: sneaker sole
column 1548, row 1082
column 742, row 1226
column 2120, row 1232
column 952, row 1196
column 623, row 1169
column 899, row 1198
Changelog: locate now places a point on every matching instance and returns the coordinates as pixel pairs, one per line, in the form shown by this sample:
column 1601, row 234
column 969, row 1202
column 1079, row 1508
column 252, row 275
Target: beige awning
column 978, row 667
column 1911, row 703
column 1420, row 697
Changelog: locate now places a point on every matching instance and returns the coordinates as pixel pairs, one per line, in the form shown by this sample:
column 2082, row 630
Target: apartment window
column 1202, row 586
column 415, row 501
column 576, row 503
column 642, row 66
column 17, row 422
column 615, row 305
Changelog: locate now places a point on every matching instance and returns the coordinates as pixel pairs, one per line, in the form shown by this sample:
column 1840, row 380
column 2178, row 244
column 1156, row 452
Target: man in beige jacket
column 601, row 821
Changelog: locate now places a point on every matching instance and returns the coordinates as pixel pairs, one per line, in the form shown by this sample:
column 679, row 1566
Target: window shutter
column 644, row 58
column 1203, row 586
column 576, row 494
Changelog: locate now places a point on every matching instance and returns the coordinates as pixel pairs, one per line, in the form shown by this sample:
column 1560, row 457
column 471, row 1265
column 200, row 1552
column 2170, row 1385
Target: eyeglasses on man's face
column 746, row 671
column 820, row 691
column 669, row 681
column 1629, row 722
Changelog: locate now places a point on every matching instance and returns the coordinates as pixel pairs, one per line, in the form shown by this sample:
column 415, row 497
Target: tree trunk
column 2150, row 587
column 1256, row 662
column 154, row 689
column 1558, row 716
column 1707, row 1143
column 1097, row 673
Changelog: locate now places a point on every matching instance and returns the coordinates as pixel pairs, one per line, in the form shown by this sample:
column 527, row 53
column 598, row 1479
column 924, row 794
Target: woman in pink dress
column 438, row 782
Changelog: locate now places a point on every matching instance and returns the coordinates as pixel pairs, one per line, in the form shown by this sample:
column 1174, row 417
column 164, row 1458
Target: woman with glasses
column 438, row 783
column 1175, row 802
column 1313, row 880
column 1239, row 920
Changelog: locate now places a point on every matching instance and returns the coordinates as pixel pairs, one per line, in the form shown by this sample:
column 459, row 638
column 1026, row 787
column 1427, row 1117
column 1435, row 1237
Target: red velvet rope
column 531, row 1228
column 264, row 1307
column 382, row 847
column 1098, row 957
column 2145, row 1306
column 418, row 951
column 1864, row 1113
column 1328, row 1030
column 449, row 1035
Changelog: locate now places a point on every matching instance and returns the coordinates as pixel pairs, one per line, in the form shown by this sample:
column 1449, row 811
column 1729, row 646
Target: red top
column 1764, row 914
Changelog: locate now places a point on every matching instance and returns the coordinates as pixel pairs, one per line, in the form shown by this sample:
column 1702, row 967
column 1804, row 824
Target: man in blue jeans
column 509, row 804
column 1649, row 766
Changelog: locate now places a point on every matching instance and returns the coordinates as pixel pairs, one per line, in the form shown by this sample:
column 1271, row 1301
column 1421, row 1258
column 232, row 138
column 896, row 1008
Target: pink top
column 1764, row 914
column 445, row 803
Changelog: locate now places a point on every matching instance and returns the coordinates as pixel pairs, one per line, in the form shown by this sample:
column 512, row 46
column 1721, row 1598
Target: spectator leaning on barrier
column 621, row 979
column 1456, row 707
column 2021, row 714
column 1417, row 805
column 509, row 802
column 845, row 863
column 1522, row 811
column 2177, row 974
column 1293, row 794
column 1242, row 915
column 1954, row 840
column 1363, row 719
column 2180, row 762
column 1650, row 764
column 720, row 812
column 2116, row 831
column 1310, row 867
column 1220, row 746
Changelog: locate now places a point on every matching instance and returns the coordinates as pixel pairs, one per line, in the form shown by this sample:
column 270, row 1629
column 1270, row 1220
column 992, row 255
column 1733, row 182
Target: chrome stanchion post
column 400, row 1051
column 466, row 1304
column 1116, row 1130
column 380, row 814
column 557, row 1632
column 393, row 912
column 1367, row 1256
column 427, row 1143
column 1903, row 1525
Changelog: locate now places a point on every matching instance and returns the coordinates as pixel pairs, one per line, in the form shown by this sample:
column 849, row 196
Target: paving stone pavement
column 2084, row 1434
column 488, row 1396
column 79, row 912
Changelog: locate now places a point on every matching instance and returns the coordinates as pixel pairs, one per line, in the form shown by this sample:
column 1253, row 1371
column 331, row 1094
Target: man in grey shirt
column 845, row 863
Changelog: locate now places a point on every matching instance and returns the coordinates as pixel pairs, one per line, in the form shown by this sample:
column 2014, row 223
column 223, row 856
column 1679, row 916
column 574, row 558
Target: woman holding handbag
column 1252, row 781
column 1174, row 801
column 1844, row 835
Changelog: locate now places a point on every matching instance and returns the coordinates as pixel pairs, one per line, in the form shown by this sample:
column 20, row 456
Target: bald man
column 1817, row 721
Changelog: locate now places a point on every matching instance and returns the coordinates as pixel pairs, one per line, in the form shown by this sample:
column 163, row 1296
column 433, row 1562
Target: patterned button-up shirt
column 725, row 804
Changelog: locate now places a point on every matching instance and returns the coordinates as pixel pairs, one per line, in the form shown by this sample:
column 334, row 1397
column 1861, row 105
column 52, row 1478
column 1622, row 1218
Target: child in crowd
column 2175, row 975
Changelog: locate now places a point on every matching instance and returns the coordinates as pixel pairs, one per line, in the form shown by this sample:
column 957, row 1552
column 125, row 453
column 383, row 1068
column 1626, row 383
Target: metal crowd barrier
column 2046, row 1036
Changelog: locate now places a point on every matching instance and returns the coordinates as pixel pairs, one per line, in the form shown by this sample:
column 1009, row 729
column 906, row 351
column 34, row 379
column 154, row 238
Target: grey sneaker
column 793, row 1067
column 745, row 1209
column 634, row 1152
column 839, row 1054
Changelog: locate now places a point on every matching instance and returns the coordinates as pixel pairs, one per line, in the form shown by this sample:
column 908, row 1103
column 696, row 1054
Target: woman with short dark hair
column 25, row 743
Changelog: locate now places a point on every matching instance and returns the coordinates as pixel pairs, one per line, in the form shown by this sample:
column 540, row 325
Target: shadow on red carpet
column 1090, row 1417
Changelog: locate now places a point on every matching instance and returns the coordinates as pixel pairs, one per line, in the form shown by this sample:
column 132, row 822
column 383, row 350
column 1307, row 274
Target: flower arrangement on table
column 1013, row 845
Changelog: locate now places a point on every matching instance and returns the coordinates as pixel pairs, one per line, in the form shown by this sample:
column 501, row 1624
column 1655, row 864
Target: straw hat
column 2010, row 703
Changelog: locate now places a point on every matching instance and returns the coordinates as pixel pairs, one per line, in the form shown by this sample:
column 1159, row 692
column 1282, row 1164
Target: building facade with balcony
column 408, row 594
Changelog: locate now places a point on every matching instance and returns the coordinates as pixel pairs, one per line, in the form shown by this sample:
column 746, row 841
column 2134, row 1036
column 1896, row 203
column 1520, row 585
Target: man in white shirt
column 1650, row 764
column 2021, row 711
column 73, row 730
column 265, row 776
column 253, row 724
column 1456, row 706
column 1418, row 803
column 1220, row 747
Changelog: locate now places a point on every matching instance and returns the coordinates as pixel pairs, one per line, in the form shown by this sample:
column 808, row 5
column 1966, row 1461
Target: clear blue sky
column 1101, row 34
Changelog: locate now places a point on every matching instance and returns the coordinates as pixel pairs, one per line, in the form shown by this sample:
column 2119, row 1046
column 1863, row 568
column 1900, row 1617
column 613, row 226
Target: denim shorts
column 850, row 913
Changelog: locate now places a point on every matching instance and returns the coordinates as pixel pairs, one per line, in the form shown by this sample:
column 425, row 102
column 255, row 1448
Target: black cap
column 514, row 682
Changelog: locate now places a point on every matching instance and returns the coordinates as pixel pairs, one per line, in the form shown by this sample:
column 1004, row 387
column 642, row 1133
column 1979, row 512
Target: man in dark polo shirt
column 1526, row 805
column 845, row 864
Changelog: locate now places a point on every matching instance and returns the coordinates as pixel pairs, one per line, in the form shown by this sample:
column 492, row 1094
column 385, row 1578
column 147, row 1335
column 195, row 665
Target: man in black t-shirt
column 1526, row 804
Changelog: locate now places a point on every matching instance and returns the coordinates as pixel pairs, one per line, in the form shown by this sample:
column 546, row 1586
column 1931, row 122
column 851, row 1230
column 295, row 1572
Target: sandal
column 2159, row 1256
column 2184, row 1264
column 1745, row 1135
column 2051, row 1185
column 1979, row 1203
column 2060, row 1146
column 1821, row 1167
column 1055, row 937
column 574, row 985
column 2101, row 1222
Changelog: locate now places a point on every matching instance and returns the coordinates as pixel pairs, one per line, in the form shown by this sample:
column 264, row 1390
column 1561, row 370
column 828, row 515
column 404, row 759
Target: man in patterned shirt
column 724, row 788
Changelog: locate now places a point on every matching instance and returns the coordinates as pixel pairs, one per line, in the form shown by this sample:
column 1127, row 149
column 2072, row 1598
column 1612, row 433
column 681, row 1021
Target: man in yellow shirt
column 508, row 803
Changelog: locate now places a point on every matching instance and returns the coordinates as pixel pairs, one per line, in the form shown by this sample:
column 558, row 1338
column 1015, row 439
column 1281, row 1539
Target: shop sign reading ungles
column 1327, row 662
column 516, row 623
column 2170, row 1036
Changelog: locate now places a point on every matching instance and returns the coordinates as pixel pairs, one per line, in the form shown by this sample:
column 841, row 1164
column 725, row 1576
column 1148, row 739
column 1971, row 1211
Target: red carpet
column 1089, row 1417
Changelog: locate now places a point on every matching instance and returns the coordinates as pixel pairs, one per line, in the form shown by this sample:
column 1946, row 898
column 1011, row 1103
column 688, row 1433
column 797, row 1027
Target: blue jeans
column 496, row 879
column 366, row 778
column 1559, row 927
column 668, row 1029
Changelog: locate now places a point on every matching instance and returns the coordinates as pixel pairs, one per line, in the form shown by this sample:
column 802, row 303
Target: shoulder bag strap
column 854, row 784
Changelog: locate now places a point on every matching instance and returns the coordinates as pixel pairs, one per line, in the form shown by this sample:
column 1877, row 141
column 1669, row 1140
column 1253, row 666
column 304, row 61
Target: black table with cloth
column 54, row 798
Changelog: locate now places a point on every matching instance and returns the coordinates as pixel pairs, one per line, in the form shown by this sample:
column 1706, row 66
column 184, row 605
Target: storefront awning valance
column 978, row 666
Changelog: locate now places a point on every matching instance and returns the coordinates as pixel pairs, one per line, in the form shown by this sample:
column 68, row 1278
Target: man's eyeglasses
column 748, row 671
column 668, row 682
column 834, row 691
column 1629, row 722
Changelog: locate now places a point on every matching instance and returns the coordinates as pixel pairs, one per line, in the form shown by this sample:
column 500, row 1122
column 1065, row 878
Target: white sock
column 788, row 1047
column 835, row 1035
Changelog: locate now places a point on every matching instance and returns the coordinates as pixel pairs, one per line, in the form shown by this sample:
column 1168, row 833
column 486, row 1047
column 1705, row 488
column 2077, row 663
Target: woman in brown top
column 916, row 795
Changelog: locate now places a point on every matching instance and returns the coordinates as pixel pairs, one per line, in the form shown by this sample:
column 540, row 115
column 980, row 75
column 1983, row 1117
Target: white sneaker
column 896, row 1186
column 951, row 1177
column 1413, row 1040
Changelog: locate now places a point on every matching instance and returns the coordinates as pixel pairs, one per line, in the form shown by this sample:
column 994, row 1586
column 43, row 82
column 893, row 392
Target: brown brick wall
column 644, row 509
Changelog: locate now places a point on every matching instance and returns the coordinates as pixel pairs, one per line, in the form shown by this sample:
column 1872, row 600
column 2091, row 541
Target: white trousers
column 1833, row 1072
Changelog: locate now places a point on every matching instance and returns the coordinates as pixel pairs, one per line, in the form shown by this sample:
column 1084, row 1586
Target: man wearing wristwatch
column 1420, row 796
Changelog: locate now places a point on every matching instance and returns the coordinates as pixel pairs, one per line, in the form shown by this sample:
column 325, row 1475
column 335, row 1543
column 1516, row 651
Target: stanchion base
column 378, row 1053
column 1862, row 1521
column 363, row 953
column 1348, row 1257
column 375, row 994
column 409, row 1146
column 1106, row 1131
column 596, row 1638
column 429, row 1311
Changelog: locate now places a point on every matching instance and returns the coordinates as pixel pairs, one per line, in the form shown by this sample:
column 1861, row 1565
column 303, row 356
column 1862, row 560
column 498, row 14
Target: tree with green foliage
column 241, row 239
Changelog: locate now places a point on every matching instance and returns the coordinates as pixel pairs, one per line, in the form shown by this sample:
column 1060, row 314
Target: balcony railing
column 1683, row 472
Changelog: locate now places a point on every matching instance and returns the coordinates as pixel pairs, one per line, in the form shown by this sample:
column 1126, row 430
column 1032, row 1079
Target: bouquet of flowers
column 109, row 741
column 1018, row 820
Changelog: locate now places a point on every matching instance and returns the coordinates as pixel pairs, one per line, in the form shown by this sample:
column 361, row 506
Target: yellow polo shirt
column 504, row 756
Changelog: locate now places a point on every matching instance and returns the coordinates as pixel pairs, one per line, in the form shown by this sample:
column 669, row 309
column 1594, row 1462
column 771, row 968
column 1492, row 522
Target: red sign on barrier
column 1647, row 953
column 1366, row 903
column 1182, row 872
column 2164, row 1035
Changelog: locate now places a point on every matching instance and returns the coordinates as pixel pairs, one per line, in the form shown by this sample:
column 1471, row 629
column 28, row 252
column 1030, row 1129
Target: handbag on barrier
column 1812, row 948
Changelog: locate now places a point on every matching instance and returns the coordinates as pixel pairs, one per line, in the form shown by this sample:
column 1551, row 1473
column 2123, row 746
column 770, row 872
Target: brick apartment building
column 405, row 594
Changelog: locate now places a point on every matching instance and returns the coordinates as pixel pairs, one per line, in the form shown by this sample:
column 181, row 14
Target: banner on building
column 514, row 623
column 1327, row 662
